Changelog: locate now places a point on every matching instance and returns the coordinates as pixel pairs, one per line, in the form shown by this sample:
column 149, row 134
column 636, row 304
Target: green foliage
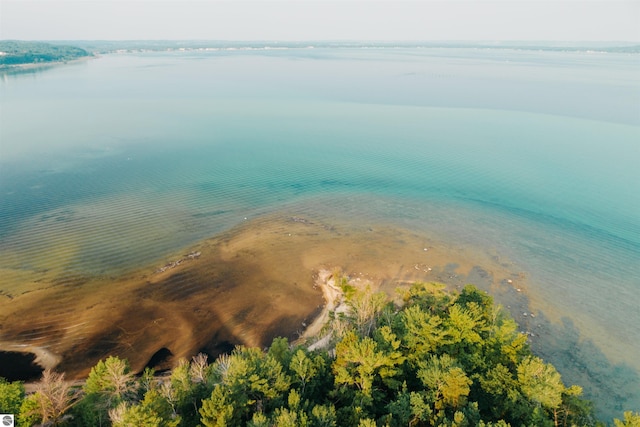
column 136, row 415
column 574, row 410
column 112, row 380
column 109, row 383
column 250, row 381
column 30, row 414
column 90, row 411
column 155, row 403
column 367, row 422
column 259, row 420
column 463, row 326
column 500, row 394
column 24, row 52
column 505, row 344
column 472, row 296
column 421, row 333
column 188, row 385
column 305, row 368
column 365, row 309
column 285, row 417
column 431, row 297
column 280, row 351
column 323, row 416
column 359, row 362
column 220, row 409
column 450, row 360
column 540, row 382
column 631, row 419
column 447, row 383
column 11, row 396
column 146, row 381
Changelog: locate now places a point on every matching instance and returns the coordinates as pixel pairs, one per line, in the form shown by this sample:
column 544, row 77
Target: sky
column 426, row 20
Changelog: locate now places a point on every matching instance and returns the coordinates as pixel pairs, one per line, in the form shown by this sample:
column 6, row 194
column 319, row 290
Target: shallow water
column 526, row 157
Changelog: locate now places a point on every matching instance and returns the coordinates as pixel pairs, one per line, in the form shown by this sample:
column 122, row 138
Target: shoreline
column 268, row 277
column 35, row 66
column 197, row 298
column 43, row 357
column 333, row 303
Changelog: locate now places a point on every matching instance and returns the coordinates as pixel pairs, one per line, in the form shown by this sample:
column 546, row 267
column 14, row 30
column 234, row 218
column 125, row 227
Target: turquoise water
column 530, row 155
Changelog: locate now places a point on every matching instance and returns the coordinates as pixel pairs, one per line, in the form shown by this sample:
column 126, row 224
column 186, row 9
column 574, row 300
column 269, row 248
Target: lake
column 529, row 157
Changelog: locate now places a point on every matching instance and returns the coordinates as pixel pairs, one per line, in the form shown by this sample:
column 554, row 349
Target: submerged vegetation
column 14, row 52
column 436, row 359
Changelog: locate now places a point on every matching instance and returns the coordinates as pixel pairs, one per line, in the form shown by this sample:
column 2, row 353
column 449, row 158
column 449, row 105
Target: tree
column 29, row 412
column 250, row 381
column 147, row 381
column 365, row 308
column 124, row 415
column 437, row 361
column 198, row 368
column 305, row 368
column 462, row 326
column 630, row 420
column 446, row 382
column 359, row 362
column 153, row 411
column 219, row 410
column 280, row 350
column 409, row 408
column 11, row 396
column 430, row 297
column 483, row 303
column 421, row 334
column 113, row 381
column 540, row 382
column 390, row 344
column 52, row 399
column 323, row 416
column 259, row 420
column 292, row 416
column 109, row 383
column 500, row 394
column 505, row 344
column 574, row 410
column 189, row 384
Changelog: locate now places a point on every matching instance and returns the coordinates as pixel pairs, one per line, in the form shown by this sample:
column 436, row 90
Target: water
column 531, row 156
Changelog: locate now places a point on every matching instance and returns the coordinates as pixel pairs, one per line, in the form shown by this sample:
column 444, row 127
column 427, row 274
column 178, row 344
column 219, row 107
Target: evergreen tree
column 110, row 383
column 250, row 381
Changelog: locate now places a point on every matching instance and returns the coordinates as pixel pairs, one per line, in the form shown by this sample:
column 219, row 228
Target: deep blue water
column 532, row 155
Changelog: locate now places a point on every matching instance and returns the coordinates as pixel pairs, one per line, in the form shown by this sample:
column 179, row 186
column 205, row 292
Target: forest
column 431, row 358
column 14, row 52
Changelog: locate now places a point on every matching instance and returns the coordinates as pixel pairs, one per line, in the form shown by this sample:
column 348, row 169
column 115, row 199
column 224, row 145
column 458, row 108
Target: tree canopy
column 14, row 52
column 439, row 359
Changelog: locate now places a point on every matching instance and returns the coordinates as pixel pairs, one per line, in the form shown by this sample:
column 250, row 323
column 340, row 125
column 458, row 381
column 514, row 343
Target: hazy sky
column 571, row 20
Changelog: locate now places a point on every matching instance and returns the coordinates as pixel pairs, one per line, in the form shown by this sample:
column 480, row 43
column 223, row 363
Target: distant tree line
column 440, row 359
column 14, row 52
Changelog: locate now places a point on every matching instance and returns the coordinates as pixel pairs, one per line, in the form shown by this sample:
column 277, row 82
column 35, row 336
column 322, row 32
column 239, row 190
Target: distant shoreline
column 42, row 65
